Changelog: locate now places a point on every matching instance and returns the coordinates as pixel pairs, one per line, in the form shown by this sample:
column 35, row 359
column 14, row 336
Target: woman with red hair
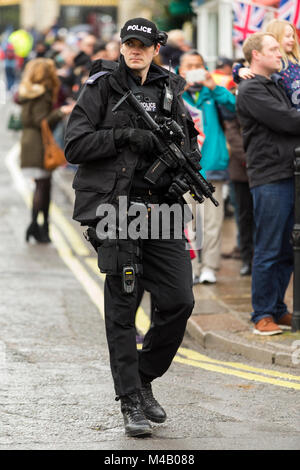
column 37, row 95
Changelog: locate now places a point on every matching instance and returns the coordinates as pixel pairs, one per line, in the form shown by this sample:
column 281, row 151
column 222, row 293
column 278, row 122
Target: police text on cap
column 136, row 27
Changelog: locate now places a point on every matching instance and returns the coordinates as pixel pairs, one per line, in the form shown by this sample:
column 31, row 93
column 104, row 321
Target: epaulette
column 91, row 80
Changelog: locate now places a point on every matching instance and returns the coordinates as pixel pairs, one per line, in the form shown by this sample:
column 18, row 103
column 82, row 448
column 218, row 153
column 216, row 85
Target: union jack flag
column 248, row 19
column 289, row 10
column 196, row 115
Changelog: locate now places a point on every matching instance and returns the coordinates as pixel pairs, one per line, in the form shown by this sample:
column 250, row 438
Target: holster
column 118, row 257
column 91, row 236
column 113, row 255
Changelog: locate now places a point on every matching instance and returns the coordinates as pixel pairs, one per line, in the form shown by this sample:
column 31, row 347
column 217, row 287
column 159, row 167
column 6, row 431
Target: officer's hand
column 139, row 140
column 178, row 187
column 143, row 141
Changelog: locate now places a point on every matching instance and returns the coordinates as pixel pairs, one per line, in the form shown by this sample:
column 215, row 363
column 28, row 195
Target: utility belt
column 124, row 257
column 147, row 196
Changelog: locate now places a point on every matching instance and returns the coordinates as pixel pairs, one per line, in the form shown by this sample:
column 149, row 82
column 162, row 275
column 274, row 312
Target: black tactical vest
column 150, row 95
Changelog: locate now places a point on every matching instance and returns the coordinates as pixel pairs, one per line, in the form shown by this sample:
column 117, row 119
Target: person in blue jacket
column 206, row 96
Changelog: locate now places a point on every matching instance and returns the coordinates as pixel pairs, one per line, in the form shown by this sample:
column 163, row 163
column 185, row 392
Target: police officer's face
column 138, row 56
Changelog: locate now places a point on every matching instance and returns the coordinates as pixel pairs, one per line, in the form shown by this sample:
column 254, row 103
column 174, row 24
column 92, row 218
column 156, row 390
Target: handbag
column 53, row 154
column 15, row 122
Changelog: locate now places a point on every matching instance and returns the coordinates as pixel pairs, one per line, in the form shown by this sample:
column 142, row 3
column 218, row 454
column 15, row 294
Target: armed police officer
column 114, row 150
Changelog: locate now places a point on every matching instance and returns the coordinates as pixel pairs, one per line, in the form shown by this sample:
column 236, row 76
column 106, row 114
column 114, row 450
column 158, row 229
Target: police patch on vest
column 149, row 106
column 149, row 103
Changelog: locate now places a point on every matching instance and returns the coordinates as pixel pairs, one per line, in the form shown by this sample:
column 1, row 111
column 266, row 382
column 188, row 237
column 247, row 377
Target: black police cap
column 144, row 30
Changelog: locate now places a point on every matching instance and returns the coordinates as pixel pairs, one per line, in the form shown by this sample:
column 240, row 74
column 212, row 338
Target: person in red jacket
column 10, row 64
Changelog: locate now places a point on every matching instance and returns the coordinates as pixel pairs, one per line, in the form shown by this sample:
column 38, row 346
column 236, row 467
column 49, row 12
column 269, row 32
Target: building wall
column 134, row 9
column 42, row 13
column 39, row 13
column 9, row 15
column 214, row 27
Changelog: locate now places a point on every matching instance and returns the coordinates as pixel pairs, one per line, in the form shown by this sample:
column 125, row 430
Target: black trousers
column 167, row 275
column 245, row 219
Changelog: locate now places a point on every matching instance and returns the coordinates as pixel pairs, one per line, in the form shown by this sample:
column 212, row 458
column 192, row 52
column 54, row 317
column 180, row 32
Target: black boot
column 45, row 233
column 134, row 419
column 34, row 231
column 150, row 406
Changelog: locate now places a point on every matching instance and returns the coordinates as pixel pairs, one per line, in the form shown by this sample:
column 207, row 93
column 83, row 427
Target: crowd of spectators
column 74, row 54
column 211, row 102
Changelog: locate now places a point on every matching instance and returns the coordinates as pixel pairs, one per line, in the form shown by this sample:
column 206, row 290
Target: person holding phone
column 202, row 93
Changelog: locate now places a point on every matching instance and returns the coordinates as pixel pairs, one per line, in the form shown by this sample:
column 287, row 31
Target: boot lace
column 131, row 404
column 147, row 395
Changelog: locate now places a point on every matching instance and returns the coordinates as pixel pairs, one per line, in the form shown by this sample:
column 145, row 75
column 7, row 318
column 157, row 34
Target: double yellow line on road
column 77, row 257
column 238, row 369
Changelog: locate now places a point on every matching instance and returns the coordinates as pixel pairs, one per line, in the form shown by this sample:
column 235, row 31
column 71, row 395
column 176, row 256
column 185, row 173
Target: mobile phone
column 195, row 76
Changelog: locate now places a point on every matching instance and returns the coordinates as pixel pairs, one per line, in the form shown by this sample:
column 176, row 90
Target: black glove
column 139, row 140
column 196, row 156
column 178, row 187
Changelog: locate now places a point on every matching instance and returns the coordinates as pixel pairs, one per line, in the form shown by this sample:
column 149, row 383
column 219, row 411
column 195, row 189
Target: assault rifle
column 186, row 166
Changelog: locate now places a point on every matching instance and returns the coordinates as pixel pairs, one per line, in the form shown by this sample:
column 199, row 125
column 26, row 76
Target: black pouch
column 113, row 255
column 108, row 257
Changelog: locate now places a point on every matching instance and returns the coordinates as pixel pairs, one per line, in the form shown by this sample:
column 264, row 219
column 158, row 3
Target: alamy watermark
column 139, row 220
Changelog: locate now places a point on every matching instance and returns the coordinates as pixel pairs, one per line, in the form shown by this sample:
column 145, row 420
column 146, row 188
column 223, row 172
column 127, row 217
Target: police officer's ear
column 122, row 48
column 156, row 50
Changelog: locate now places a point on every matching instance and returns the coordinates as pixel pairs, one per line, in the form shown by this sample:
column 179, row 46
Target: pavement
column 221, row 317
